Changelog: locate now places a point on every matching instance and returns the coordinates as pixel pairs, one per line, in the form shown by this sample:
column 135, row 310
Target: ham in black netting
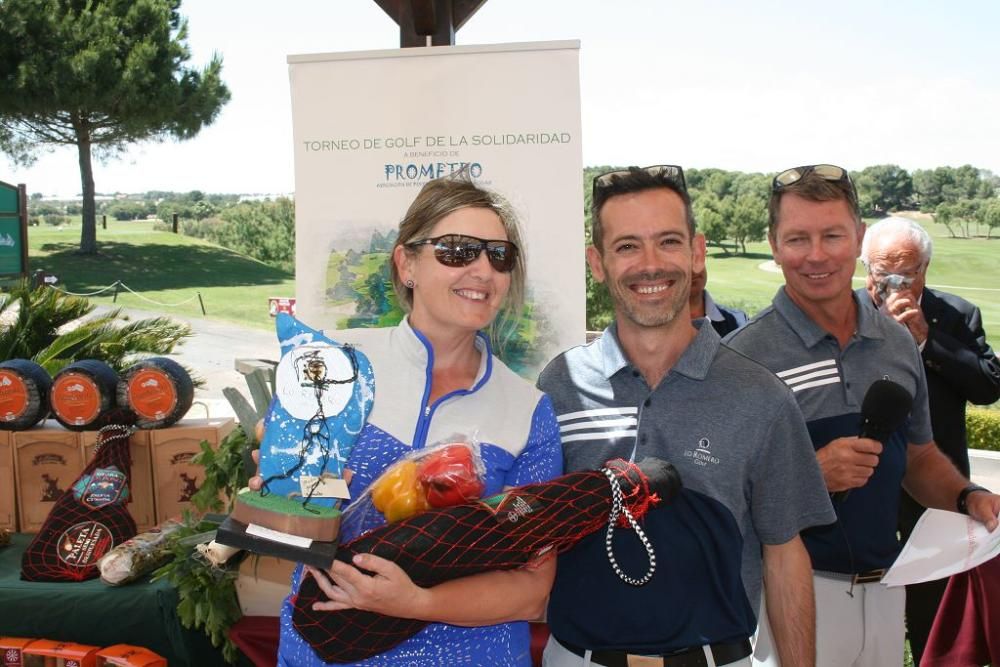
column 89, row 518
column 502, row 532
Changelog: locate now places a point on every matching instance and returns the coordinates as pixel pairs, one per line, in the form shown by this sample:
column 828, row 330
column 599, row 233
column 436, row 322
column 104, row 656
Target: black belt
column 869, row 577
column 723, row 654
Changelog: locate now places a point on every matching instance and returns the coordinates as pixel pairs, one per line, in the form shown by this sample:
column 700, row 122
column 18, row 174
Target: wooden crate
column 142, row 507
column 47, row 460
column 8, row 506
column 175, row 478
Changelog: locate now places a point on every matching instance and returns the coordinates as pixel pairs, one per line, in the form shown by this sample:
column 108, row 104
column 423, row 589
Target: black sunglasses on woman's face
column 456, row 250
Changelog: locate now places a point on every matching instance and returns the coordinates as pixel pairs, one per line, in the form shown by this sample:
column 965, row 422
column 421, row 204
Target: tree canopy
column 99, row 75
column 883, row 188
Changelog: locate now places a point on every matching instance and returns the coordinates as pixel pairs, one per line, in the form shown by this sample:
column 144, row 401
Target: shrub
column 262, row 230
column 202, row 229
column 983, row 428
column 37, row 329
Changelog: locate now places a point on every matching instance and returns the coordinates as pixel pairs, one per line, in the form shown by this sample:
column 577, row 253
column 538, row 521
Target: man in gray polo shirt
column 829, row 346
column 658, row 384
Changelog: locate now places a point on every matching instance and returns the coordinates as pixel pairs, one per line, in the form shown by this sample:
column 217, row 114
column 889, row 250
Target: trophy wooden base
column 234, row 533
column 287, row 516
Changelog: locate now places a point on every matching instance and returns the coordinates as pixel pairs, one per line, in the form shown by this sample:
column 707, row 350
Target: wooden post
column 429, row 22
column 22, row 196
column 175, row 223
column 104, row 222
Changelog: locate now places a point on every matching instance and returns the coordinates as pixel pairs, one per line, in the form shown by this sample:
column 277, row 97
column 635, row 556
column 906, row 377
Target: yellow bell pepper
column 397, row 494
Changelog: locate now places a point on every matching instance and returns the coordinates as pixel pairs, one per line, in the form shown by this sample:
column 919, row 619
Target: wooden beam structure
column 429, row 22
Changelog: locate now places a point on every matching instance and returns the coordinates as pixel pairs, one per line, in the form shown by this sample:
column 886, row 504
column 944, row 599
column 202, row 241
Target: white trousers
column 859, row 628
column 557, row 655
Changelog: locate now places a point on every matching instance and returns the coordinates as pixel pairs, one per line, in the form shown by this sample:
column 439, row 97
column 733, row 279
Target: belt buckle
column 870, row 577
column 633, row 660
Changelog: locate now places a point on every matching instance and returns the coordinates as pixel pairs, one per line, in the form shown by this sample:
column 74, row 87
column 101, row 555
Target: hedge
column 983, row 428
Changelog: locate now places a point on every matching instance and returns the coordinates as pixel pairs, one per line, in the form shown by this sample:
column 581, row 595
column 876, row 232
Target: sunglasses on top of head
column 828, row 172
column 670, row 173
column 457, row 250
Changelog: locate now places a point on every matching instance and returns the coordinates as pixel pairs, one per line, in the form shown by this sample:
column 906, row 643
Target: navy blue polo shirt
column 829, row 384
column 734, row 432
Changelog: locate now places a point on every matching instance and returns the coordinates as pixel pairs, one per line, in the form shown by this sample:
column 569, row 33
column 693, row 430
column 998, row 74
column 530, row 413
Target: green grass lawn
column 171, row 268
column 163, row 267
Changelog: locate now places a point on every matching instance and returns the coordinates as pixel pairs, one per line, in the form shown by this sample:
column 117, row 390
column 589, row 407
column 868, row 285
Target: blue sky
column 752, row 86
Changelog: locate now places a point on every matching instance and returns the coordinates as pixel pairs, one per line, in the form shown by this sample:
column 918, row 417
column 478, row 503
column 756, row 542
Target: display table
column 142, row 613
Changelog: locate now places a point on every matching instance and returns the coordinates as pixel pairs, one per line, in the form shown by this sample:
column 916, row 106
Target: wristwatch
column 963, row 497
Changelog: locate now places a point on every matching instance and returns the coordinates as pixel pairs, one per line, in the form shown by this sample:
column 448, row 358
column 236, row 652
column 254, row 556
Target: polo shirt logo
column 811, row 375
column 701, row 455
column 598, row 424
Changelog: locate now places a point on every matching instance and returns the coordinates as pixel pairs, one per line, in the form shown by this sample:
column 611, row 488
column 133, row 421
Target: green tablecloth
column 141, row 613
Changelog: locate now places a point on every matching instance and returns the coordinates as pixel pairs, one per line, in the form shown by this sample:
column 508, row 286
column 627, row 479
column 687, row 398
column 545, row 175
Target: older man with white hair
column 959, row 364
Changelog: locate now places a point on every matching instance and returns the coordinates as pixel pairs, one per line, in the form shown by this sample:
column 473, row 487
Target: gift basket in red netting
column 502, row 532
column 89, row 518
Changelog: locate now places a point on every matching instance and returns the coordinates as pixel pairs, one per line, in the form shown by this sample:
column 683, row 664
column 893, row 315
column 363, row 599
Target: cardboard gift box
column 48, row 653
column 126, row 655
column 8, row 505
column 263, row 584
column 11, row 651
column 47, row 460
column 175, row 478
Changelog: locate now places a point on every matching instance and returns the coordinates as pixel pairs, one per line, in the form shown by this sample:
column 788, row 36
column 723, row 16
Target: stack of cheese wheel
column 83, row 394
column 158, row 391
column 24, row 394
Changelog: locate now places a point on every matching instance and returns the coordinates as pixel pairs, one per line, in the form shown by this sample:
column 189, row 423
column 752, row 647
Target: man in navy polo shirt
column 829, row 345
column 658, row 384
column 724, row 320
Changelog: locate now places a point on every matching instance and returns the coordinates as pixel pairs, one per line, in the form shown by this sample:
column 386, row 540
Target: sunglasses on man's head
column 828, row 172
column 668, row 172
column 456, row 250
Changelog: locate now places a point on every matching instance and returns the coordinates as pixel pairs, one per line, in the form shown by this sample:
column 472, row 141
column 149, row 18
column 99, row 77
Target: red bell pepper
column 449, row 476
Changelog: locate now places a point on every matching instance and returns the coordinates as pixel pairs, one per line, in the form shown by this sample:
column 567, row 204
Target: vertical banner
column 371, row 128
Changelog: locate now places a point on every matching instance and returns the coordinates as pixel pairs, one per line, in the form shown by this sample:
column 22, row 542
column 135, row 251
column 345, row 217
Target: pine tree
column 99, row 75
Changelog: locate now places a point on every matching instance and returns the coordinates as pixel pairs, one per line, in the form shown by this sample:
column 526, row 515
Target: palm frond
column 52, row 329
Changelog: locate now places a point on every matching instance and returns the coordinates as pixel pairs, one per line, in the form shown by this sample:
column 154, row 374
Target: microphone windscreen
column 884, row 409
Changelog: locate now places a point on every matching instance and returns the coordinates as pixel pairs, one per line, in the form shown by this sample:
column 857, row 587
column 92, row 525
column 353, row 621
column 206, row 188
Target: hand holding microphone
column 851, row 461
column 848, row 463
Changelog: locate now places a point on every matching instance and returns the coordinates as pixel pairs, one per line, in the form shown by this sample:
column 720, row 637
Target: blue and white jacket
column 519, row 441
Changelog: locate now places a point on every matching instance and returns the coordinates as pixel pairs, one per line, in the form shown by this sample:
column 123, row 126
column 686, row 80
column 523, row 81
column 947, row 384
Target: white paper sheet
column 942, row 544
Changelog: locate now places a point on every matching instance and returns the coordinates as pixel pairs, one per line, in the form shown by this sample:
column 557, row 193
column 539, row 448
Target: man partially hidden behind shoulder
column 829, row 345
column 658, row 384
column 960, row 366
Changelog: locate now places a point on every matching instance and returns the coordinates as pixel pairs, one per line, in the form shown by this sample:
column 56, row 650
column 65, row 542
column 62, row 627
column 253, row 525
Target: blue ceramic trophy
column 323, row 395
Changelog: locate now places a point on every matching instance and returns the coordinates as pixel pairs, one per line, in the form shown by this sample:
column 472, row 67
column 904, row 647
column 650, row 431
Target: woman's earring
column 409, row 283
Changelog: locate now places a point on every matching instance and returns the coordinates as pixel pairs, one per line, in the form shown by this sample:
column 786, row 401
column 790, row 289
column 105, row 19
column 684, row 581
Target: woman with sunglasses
column 457, row 268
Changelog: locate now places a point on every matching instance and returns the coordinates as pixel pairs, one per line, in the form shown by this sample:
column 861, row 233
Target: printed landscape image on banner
column 371, row 128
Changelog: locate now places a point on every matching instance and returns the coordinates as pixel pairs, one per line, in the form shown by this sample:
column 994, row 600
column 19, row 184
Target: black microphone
column 883, row 410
